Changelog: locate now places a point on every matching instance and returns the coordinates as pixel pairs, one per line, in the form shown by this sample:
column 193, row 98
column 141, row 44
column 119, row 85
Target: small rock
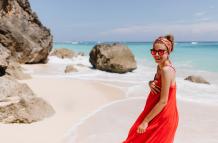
column 70, row 68
column 63, row 53
column 81, row 65
column 197, row 79
column 81, row 53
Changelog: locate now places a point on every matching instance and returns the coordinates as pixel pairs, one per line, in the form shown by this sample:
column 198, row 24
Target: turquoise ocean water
column 201, row 56
column 189, row 58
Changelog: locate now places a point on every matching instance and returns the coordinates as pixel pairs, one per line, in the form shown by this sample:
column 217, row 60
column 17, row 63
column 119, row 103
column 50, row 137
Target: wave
column 72, row 135
column 194, row 43
column 132, row 82
column 74, row 43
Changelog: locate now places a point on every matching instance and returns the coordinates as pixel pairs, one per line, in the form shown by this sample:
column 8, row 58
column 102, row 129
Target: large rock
column 18, row 104
column 9, row 66
column 15, row 70
column 22, row 33
column 63, row 53
column 197, row 79
column 113, row 58
column 4, row 57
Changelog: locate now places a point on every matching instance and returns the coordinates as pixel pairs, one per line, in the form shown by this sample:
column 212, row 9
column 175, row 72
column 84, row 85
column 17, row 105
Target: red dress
column 162, row 128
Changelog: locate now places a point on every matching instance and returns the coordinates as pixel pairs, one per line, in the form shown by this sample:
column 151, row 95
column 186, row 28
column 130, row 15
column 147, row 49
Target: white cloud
column 203, row 29
column 201, row 26
column 212, row 7
column 201, row 13
column 204, row 19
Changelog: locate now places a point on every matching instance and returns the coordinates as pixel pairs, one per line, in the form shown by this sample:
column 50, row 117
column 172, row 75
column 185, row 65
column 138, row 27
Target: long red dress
column 162, row 128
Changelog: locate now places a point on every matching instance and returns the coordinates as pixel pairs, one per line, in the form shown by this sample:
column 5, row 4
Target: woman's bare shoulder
column 167, row 71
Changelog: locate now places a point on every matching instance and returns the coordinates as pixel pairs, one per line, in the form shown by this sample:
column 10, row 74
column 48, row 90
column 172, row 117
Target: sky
column 128, row 20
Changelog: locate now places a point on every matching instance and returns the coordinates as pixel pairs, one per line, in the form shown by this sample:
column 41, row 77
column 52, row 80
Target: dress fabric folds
column 162, row 128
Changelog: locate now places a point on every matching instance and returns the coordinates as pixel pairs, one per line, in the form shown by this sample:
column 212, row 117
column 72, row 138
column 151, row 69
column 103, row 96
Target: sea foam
column 133, row 83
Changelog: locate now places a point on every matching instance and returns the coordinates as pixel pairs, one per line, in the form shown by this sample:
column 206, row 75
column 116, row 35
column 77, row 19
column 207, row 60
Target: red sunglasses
column 160, row 52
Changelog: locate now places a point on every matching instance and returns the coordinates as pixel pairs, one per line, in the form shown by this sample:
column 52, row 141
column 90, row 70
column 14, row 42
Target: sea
column 189, row 58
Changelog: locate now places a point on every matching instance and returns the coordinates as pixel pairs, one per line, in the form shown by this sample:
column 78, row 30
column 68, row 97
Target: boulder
column 4, row 56
column 15, row 70
column 70, row 68
column 23, row 39
column 18, row 104
column 9, row 66
column 22, row 33
column 197, row 79
column 115, row 57
column 63, row 53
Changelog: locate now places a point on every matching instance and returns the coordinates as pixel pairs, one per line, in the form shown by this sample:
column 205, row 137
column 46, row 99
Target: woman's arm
column 156, row 74
column 166, row 76
column 154, row 88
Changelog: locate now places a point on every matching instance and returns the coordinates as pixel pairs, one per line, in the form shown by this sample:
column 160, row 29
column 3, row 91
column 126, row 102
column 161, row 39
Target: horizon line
column 77, row 42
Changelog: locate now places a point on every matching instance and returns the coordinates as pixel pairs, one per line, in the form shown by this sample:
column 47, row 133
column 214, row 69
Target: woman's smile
column 157, row 59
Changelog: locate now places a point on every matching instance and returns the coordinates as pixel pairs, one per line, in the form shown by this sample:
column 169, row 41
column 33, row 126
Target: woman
column 159, row 120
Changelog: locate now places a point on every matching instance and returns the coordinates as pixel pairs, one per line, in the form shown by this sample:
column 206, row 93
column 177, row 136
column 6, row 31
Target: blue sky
column 129, row 20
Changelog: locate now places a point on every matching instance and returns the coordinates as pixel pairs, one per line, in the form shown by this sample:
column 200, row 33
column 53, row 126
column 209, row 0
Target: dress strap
column 157, row 76
column 172, row 67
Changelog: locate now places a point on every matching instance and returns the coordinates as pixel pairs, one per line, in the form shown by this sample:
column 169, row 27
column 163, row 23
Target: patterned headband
column 166, row 42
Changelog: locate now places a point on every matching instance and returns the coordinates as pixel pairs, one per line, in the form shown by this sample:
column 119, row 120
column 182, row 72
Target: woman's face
column 160, row 53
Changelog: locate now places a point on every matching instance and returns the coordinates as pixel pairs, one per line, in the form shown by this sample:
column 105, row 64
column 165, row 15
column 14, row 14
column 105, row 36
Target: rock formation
column 113, row 58
column 22, row 33
column 4, row 57
column 15, row 70
column 63, row 53
column 23, row 39
column 18, row 104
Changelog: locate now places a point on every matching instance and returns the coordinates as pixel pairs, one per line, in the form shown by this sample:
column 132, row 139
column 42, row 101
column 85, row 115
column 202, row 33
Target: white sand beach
column 92, row 106
column 90, row 62
column 92, row 112
column 198, row 123
column 71, row 99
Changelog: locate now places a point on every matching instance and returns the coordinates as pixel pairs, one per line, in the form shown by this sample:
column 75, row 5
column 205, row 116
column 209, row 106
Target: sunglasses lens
column 153, row 52
column 161, row 52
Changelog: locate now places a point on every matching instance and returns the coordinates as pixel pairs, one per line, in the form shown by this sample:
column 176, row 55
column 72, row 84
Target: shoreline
column 191, row 114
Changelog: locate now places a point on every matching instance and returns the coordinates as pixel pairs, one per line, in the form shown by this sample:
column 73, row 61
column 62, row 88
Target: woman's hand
column 142, row 127
column 154, row 87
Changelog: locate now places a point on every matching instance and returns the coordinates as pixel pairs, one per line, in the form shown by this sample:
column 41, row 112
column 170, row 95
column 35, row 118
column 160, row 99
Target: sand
column 95, row 112
column 198, row 123
column 71, row 99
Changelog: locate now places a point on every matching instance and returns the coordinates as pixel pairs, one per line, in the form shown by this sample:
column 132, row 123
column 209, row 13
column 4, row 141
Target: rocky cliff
column 22, row 33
